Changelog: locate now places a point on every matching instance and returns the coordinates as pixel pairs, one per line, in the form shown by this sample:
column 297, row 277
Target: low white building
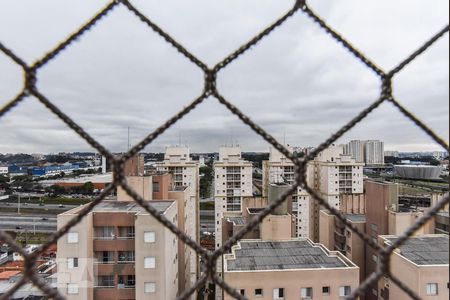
column 3, row 170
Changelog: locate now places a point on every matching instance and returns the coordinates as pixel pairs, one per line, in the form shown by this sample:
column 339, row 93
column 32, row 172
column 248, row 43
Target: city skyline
column 325, row 87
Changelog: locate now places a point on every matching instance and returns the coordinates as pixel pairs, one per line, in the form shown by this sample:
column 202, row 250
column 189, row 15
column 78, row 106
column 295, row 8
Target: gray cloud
column 297, row 83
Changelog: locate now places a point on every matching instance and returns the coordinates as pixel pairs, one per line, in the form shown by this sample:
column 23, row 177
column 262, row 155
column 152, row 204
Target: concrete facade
column 421, row 263
column 232, row 182
column 109, row 255
column 186, row 173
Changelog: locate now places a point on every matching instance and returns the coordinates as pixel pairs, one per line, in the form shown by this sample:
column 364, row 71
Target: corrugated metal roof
column 237, row 220
column 129, row 206
column 426, row 250
column 356, row 218
column 281, row 255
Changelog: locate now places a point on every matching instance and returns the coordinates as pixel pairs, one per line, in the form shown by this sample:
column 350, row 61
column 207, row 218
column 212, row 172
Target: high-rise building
column 123, row 240
column 384, row 217
column 233, row 181
column 333, row 174
column 370, row 152
column 280, row 169
column 356, row 150
column 374, row 152
column 118, row 251
column 186, row 173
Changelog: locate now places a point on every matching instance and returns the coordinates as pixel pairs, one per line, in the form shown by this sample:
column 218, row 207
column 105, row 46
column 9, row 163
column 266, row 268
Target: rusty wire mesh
column 210, row 90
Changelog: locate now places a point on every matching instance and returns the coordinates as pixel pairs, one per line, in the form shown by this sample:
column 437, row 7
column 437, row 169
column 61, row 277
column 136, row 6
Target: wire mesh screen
column 209, row 273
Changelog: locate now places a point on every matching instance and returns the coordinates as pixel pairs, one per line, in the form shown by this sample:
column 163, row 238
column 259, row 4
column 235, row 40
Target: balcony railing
column 124, row 262
column 105, row 238
column 100, row 262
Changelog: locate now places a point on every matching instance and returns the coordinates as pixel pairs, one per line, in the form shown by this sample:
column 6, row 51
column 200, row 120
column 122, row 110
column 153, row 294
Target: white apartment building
column 233, row 181
column 331, row 174
column 370, row 152
column 374, row 152
column 185, row 173
column 279, row 169
column 356, row 150
column 3, row 170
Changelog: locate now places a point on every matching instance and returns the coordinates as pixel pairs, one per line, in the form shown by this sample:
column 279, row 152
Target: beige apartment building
column 185, row 173
column 289, row 269
column 332, row 174
column 233, row 182
column 385, row 216
column 118, row 252
column 335, row 235
column 280, row 169
column 421, row 263
column 153, row 189
column 276, row 226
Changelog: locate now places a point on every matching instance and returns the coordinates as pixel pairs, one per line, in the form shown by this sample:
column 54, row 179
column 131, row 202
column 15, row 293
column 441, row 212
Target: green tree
column 206, row 178
column 55, row 190
column 88, row 188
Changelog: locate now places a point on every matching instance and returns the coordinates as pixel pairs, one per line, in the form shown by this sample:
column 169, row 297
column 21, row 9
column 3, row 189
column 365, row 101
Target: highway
column 36, row 206
column 29, row 223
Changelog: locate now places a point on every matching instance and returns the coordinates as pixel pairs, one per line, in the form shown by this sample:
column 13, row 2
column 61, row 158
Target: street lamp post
column 18, row 204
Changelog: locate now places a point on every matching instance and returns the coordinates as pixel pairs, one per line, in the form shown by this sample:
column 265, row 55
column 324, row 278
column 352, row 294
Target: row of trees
column 57, row 190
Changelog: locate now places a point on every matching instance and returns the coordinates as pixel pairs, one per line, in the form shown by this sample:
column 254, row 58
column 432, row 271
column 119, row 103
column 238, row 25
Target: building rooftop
column 356, row 218
column 424, row 250
column 255, row 210
column 8, row 274
column 96, row 178
column 129, row 206
column 281, row 255
column 237, row 220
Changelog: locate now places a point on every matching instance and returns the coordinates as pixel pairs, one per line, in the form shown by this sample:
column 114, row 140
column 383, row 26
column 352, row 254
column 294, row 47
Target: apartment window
column 326, row 290
column 156, row 187
column 127, row 281
column 150, row 262
column 259, row 293
column 345, row 291
column 72, row 237
column 126, row 256
column 306, row 293
column 149, row 287
column 149, row 237
column 72, row 288
column 107, row 256
column 278, row 293
column 72, row 262
column 242, row 292
column 106, row 280
column 432, row 289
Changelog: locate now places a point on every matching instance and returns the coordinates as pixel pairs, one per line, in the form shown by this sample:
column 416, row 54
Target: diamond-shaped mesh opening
column 301, row 8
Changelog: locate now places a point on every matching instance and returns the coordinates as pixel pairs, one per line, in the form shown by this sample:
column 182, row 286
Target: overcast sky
column 298, row 83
